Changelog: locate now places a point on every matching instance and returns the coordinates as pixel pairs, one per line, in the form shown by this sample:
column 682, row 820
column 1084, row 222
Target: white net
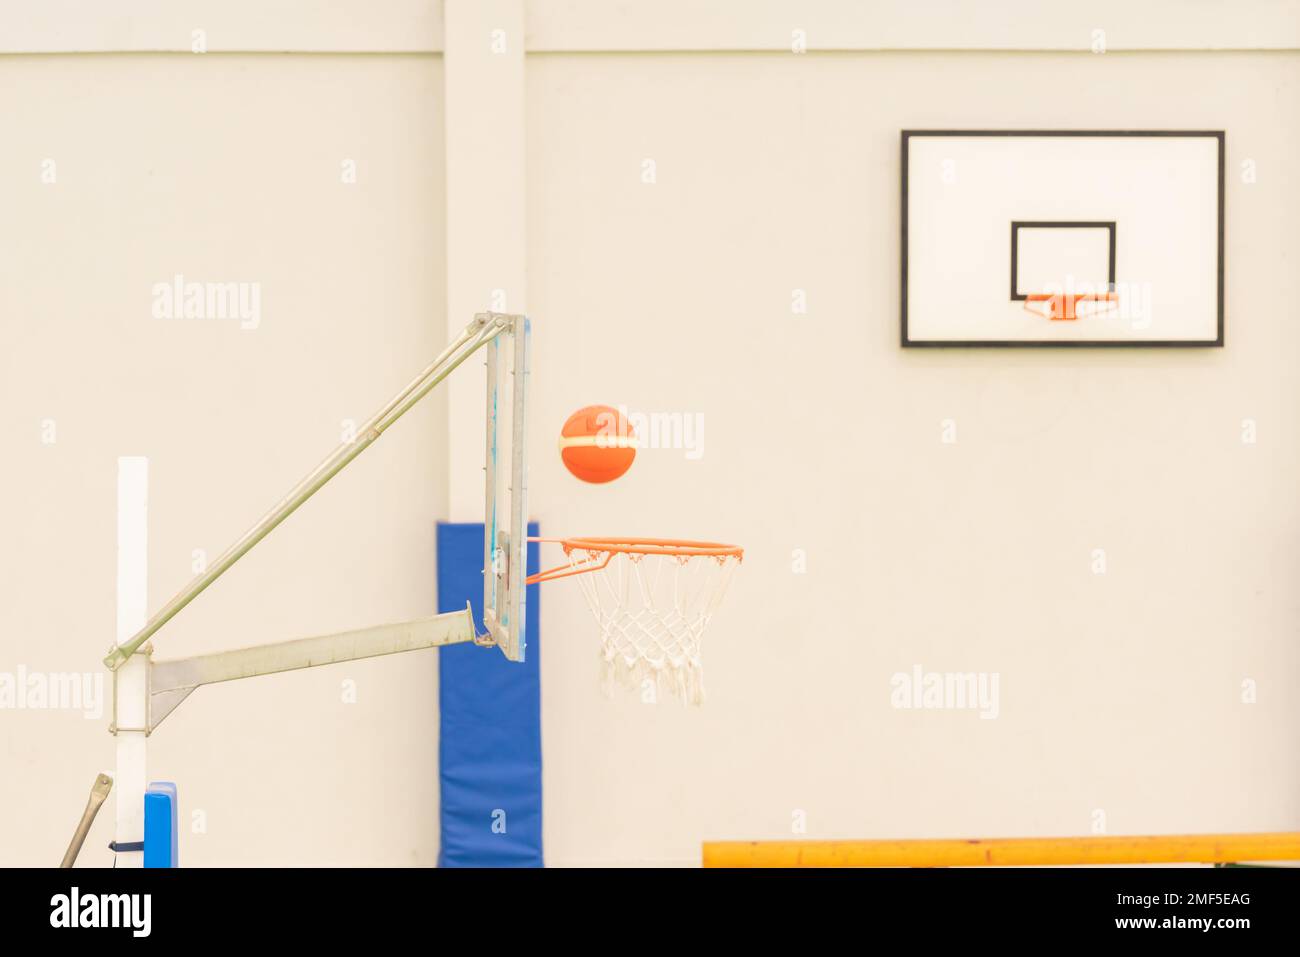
column 652, row 610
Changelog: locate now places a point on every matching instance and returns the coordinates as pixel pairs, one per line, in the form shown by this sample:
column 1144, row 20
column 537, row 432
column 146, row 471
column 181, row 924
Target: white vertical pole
column 132, row 691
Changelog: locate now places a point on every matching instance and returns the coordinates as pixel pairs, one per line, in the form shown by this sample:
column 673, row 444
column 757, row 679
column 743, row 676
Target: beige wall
column 224, row 168
column 1118, row 692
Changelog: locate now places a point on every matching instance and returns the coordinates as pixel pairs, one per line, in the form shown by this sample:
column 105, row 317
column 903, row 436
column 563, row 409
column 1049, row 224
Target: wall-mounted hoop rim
column 1062, row 305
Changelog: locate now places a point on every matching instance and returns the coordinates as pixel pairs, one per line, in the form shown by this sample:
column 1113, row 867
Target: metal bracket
column 483, row 330
column 171, row 682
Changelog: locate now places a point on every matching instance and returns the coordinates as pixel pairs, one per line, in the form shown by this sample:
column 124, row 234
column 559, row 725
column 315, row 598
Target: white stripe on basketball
column 601, row 441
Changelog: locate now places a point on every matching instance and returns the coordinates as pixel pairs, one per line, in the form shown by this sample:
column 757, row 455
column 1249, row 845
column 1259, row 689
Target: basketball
column 597, row 444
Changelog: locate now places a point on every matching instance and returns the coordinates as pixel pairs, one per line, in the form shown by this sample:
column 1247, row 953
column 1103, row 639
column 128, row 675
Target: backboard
column 1062, row 238
column 505, row 537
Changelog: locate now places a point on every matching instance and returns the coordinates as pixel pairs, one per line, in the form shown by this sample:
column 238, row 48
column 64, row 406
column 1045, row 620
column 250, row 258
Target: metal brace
column 171, row 682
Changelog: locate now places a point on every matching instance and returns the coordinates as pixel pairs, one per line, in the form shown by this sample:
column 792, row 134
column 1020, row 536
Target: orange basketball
column 597, row 444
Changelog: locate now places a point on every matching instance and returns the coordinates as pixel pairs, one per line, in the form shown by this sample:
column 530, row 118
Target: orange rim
column 604, row 549
column 1063, row 305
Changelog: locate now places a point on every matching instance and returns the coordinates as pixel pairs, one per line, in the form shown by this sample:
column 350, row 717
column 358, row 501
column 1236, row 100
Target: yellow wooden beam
column 1008, row 851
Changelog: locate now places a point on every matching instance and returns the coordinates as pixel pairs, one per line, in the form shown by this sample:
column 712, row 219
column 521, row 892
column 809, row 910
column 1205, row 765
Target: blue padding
column 160, row 835
column 490, row 740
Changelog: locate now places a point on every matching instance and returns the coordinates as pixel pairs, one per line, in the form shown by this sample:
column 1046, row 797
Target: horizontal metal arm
column 170, row 682
column 484, row 328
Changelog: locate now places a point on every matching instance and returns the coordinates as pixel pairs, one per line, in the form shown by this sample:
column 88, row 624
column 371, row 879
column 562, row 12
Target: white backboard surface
column 991, row 216
column 505, row 532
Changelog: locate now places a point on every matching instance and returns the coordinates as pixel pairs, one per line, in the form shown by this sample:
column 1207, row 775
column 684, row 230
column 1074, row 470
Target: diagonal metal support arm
column 98, row 795
column 170, row 682
column 485, row 327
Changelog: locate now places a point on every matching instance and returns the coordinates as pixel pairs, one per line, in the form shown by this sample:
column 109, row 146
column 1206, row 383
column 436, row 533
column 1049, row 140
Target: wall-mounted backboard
column 1062, row 238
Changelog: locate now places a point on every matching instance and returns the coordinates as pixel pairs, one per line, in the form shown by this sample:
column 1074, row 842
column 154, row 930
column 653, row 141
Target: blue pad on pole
column 160, row 832
column 490, row 741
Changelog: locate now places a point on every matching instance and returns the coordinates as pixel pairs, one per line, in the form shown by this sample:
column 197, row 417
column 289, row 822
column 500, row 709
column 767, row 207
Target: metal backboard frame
column 505, row 528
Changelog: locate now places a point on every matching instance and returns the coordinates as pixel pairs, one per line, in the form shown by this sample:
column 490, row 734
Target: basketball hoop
column 1067, row 305
column 652, row 599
